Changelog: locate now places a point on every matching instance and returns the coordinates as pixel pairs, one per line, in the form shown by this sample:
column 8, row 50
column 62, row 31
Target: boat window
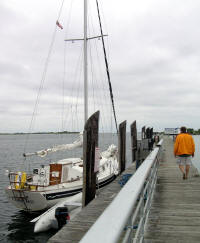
column 35, row 171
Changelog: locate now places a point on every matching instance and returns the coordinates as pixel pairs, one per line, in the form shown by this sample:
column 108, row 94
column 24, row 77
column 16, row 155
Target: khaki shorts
column 184, row 160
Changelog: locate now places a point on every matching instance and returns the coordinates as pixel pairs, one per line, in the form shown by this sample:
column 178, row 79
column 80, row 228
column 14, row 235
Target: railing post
column 133, row 140
column 90, row 142
column 122, row 146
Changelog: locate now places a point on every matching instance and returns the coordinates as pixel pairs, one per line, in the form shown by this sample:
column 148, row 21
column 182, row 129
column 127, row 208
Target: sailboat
column 60, row 180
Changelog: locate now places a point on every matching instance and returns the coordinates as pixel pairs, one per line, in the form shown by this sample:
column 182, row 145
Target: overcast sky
column 154, row 56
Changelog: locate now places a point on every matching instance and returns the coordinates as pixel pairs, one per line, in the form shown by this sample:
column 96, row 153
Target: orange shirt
column 184, row 144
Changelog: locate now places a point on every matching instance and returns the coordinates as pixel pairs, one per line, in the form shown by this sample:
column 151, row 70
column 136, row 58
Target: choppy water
column 15, row 226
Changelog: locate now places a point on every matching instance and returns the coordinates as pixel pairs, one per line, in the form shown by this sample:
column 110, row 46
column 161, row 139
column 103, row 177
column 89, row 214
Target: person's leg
column 187, row 171
column 187, row 167
column 181, row 167
column 181, row 164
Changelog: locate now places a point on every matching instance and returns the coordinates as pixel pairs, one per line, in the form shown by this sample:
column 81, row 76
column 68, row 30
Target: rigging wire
column 77, row 77
column 107, row 68
column 63, row 92
column 93, row 88
column 68, row 19
column 42, row 81
column 101, row 92
column 108, row 51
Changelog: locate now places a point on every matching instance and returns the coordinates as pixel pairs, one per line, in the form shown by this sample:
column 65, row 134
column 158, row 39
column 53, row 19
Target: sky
column 154, row 60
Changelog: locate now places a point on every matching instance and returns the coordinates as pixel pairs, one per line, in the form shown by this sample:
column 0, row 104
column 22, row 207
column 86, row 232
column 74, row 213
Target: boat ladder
column 20, row 197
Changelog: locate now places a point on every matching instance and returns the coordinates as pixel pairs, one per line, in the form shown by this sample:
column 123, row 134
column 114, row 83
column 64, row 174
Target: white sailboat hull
column 33, row 201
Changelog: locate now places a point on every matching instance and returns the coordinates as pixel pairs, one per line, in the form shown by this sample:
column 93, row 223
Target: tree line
column 193, row 132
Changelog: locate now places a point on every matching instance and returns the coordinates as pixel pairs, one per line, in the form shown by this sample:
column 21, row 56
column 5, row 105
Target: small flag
column 59, row 25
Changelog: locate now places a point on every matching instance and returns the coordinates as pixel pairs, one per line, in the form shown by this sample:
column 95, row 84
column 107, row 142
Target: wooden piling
column 151, row 132
column 143, row 135
column 151, row 141
column 133, row 140
column 148, row 132
column 143, row 146
column 90, row 142
column 122, row 146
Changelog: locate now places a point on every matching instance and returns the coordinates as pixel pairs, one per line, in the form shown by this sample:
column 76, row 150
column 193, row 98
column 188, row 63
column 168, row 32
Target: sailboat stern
column 26, row 200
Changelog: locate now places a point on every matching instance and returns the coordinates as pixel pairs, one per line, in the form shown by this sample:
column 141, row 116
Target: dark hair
column 183, row 129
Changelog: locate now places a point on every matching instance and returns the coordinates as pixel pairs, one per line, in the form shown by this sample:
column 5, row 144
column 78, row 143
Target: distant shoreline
column 23, row 133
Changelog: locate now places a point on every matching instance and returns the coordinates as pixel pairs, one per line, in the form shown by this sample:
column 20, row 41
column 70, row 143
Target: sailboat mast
column 85, row 64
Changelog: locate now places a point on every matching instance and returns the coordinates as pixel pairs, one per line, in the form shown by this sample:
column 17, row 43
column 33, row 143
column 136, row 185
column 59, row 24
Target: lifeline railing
column 125, row 218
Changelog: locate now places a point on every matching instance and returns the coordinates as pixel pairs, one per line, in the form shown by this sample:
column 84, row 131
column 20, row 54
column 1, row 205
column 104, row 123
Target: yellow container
column 33, row 188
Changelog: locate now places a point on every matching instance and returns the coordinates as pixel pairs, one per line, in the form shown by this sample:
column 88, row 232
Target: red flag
column 59, row 25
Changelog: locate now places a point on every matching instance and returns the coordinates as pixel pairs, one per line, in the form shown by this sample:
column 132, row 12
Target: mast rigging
column 107, row 68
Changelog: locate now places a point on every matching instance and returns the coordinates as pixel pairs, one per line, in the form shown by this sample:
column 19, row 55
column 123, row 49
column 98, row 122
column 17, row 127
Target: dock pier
column 175, row 211
column 155, row 206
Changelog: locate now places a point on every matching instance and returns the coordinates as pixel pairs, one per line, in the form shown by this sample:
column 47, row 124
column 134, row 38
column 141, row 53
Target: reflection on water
column 19, row 226
column 21, row 230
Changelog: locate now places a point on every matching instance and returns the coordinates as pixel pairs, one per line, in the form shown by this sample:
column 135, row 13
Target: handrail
column 115, row 217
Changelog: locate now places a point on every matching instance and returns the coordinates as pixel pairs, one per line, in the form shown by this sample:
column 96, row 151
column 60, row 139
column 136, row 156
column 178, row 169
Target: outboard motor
column 62, row 216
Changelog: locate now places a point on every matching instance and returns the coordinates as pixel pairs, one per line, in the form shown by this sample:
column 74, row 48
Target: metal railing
column 125, row 218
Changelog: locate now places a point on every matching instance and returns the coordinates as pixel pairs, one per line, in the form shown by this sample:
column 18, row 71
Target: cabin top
column 68, row 161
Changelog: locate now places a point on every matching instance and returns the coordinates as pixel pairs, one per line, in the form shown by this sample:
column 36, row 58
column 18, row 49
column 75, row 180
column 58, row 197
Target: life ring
column 20, row 180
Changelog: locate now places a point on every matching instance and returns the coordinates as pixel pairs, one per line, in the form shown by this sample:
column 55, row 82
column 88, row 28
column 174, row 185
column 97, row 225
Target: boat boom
column 42, row 153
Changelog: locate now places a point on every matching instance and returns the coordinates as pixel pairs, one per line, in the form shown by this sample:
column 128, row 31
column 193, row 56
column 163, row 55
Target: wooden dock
column 77, row 227
column 175, row 213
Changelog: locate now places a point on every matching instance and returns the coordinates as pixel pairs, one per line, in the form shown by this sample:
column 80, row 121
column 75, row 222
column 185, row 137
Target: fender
column 20, row 180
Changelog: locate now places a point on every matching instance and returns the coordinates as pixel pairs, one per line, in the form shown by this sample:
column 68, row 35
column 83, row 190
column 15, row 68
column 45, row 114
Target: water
column 196, row 159
column 15, row 224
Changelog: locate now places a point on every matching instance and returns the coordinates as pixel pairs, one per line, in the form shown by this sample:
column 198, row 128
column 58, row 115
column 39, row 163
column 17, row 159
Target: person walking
column 184, row 148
